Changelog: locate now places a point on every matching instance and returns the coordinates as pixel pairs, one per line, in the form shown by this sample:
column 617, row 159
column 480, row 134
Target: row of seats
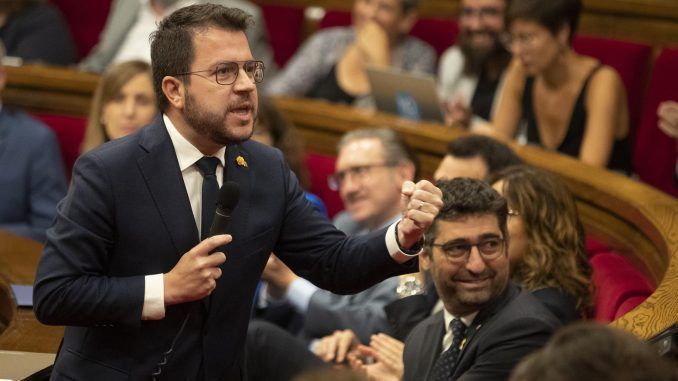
column 620, row 286
column 654, row 153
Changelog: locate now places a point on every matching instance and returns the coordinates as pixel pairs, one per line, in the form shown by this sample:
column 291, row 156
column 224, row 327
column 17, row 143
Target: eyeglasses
column 358, row 173
column 526, row 40
column 459, row 252
column 482, row 12
column 226, row 73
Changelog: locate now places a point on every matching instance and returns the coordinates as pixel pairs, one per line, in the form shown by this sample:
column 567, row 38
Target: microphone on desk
column 229, row 195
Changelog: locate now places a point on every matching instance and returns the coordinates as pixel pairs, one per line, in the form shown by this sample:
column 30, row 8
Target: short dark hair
column 552, row 14
column 593, row 351
column 495, row 154
column 172, row 50
column 464, row 197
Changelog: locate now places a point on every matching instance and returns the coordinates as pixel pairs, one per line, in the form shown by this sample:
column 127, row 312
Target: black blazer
column 127, row 215
column 501, row 334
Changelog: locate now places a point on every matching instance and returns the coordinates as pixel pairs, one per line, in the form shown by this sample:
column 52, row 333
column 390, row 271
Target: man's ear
column 406, row 171
column 175, row 92
column 409, row 19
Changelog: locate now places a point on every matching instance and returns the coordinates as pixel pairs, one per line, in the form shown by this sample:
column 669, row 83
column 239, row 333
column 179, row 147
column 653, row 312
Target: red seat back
column 631, row 60
column 69, row 131
column 284, row 24
column 620, row 287
column 655, row 154
column 320, row 167
column 439, row 33
column 334, row 18
column 86, row 20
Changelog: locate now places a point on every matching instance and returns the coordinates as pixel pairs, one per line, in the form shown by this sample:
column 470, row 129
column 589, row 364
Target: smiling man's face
column 467, row 286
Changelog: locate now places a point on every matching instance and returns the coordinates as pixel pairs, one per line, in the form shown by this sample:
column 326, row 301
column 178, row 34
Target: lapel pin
column 240, row 161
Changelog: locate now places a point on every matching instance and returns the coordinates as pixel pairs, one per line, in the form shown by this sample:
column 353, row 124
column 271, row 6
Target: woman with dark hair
column 35, row 31
column 567, row 102
column 123, row 102
column 546, row 249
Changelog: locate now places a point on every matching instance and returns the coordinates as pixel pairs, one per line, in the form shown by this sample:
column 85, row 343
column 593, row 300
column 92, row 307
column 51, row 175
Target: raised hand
column 420, row 204
column 335, row 347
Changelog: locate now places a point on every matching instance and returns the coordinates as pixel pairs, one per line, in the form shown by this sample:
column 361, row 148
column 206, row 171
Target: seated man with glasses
column 487, row 323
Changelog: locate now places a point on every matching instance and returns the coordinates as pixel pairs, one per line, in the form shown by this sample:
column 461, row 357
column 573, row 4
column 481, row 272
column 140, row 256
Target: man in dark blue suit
column 124, row 267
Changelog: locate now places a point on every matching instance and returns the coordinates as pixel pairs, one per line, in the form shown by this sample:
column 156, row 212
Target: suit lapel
column 161, row 172
column 483, row 317
column 237, row 169
column 432, row 343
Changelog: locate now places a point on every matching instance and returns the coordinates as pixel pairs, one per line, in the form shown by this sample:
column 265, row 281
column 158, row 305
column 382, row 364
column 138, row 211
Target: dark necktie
column 207, row 166
column 446, row 363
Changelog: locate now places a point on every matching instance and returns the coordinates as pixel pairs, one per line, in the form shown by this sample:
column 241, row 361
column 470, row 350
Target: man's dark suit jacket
column 127, row 215
column 501, row 334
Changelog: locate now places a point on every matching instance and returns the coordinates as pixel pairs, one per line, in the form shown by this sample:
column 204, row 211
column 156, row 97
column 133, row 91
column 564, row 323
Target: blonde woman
column 123, row 102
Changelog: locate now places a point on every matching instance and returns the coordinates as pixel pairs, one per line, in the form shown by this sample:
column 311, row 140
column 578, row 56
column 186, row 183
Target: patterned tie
column 208, row 166
column 444, row 366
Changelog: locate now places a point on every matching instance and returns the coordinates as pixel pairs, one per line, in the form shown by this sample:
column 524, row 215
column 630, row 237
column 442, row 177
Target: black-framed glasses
column 226, row 73
column 459, row 251
column 358, row 173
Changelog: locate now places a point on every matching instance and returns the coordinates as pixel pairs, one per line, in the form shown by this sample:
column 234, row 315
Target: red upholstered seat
column 86, row 20
column 69, row 131
column 440, row 33
column 619, row 286
column 284, row 24
column 334, row 18
column 631, row 60
column 655, row 154
column 320, row 167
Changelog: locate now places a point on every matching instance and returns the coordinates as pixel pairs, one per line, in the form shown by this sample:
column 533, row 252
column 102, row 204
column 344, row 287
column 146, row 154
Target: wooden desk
column 637, row 220
column 18, row 260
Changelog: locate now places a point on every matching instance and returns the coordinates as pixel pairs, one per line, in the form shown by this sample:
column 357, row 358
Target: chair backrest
column 631, row 60
column 86, row 20
column 620, row 287
column 284, row 24
column 439, row 33
column 320, row 167
column 654, row 153
column 70, row 132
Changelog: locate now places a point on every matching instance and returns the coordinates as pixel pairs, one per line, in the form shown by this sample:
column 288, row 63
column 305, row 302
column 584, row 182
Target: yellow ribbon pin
column 241, row 161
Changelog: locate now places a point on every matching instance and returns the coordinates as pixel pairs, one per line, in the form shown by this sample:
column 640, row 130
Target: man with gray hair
column 370, row 166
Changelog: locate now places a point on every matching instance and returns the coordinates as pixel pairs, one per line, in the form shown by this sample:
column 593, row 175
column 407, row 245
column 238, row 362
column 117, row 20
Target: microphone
column 229, row 195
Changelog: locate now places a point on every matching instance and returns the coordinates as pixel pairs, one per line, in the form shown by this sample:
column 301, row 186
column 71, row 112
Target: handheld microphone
column 229, row 195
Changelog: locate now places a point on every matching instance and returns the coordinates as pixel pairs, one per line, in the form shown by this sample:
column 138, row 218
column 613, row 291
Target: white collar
column 466, row 319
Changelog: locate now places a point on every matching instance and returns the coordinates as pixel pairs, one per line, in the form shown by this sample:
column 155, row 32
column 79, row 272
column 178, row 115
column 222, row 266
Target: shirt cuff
column 299, row 294
column 393, row 247
column 154, row 298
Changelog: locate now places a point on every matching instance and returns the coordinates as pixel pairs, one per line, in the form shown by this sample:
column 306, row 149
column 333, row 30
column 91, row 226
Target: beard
column 214, row 126
column 477, row 60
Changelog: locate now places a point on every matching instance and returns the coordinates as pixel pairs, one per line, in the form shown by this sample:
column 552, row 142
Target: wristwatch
column 409, row 286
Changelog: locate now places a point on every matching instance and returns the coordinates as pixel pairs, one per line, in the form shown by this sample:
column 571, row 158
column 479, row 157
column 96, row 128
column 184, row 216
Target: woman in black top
column 568, row 102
